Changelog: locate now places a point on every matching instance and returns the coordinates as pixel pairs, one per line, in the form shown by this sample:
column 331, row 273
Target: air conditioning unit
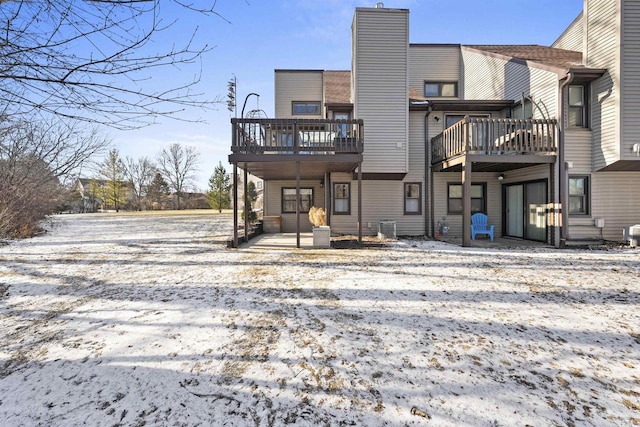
column 631, row 234
column 386, row 230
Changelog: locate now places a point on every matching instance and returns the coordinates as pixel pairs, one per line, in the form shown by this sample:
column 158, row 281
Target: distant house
column 545, row 140
column 95, row 195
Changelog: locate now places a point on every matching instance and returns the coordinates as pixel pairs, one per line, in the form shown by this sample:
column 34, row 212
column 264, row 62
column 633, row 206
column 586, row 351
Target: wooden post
column 466, row 203
column 235, row 205
column 298, row 204
column 246, row 211
column 360, row 203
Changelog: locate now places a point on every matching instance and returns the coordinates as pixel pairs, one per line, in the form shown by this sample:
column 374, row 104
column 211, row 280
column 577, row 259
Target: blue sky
column 310, row 34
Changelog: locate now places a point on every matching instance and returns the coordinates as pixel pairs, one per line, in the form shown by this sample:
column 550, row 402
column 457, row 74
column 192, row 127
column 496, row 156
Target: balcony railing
column 296, row 136
column 495, row 137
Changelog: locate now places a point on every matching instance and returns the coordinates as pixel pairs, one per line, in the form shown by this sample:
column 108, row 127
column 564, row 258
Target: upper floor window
column 577, row 106
column 306, row 108
column 526, row 113
column 433, row 89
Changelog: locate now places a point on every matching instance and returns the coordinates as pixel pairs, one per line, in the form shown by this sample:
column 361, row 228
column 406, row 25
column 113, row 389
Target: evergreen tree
column 157, row 192
column 219, row 185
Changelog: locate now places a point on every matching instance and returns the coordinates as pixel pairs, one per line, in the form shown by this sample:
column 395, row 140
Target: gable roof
column 337, row 87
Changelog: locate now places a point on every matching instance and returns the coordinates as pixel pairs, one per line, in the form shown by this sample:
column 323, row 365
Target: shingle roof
column 544, row 55
column 337, row 87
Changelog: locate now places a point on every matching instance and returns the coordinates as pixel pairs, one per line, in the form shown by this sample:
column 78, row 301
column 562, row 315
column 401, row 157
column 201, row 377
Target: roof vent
column 379, row 5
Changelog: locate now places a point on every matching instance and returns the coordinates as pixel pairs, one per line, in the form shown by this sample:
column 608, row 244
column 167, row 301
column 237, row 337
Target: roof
column 337, row 87
column 550, row 57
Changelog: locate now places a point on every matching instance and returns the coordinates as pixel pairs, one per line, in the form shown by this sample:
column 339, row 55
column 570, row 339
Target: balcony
column 496, row 141
column 272, row 137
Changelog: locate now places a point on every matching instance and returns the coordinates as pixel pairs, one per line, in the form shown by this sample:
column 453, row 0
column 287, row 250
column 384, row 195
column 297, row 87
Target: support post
column 360, row 203
column 466, row 203
column 298, row 204
column 235, row 205
column 246, row 211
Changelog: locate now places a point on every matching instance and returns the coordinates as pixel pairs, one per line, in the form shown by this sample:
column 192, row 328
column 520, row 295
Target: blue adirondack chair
column 480, row 225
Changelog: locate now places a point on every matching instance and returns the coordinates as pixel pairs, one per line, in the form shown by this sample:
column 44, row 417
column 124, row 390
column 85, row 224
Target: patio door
column 526, row 210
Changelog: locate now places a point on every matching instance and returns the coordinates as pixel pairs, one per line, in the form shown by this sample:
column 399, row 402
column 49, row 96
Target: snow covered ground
column 149, row 319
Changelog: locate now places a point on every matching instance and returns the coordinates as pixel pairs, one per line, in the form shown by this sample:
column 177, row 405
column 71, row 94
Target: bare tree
column 140, row 173
column 92, row 59
column 34, row 158
column 178, row 164
column 112, row 171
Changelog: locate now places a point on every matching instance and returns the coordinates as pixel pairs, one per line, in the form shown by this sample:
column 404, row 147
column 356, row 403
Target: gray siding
column 486, row 77
column 494, row 200
column 380, row 69
column 613, row 199
column 273, row 203
column 434, row 63
column 296, row 86
column 572, row 37
column 630, row 79
column 577, row 144
column 602, row 51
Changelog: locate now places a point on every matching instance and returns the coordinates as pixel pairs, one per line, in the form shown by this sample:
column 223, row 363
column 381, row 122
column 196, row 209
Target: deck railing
column 296, row 136
column 495, row 137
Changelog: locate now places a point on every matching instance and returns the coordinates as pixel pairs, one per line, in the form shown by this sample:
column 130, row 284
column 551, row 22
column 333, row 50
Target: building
column 543, row 139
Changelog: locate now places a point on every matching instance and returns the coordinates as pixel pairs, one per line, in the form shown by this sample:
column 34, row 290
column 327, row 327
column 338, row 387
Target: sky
column 252, row 38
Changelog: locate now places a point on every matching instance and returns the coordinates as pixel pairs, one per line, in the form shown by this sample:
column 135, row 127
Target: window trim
column 586, row 196
column 440, row 85
column 404, row 198
column 484, row 198
column 282, row 190
column 348, row 198
column 293, row 108
column 585, row 107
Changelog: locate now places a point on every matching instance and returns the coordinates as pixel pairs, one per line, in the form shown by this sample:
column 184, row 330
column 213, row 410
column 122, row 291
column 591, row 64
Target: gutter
column 563, row 181
column 428, row 176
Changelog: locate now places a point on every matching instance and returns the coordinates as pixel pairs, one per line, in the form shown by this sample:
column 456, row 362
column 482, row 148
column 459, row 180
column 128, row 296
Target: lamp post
column 245, row 103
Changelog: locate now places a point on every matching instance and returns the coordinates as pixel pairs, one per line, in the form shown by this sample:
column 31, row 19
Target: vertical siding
column 602, row 50
column 487, row 77
column 577, row 143
column 274, row 203
column 380, row 68
column 572, row 37
column 296, row 86
column 614, row 198
column 434, row 63
column 630, row 78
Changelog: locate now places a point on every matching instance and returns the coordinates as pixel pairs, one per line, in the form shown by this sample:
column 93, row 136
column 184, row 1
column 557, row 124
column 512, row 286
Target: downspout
column 563, row 182
column 428, row 206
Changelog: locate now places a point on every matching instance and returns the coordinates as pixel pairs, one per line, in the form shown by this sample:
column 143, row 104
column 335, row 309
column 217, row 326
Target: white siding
column 571, row 39
column 380, row 69
column 486, row 77
column 434, row 63
column 274, row 203
column 296, row 85
column 614, row 198
column 602, row 50
column 630, row 79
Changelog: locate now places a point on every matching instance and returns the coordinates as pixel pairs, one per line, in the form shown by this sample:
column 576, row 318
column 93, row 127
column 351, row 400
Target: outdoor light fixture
column 322, row 183
column 500, row 177
column 436, row 118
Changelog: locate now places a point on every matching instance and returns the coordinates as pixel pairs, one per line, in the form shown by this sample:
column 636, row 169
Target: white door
column 515, row 213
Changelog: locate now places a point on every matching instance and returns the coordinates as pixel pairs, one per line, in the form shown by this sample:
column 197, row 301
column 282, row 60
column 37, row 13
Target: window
column 516, row 112
column 341, row 198
column 306, row 108
column 478, row 198
column 578, row 195
column 577, row 106
column 412, row 198
column 452, row 119
column 289, row 200
column 341, row 129
column 259, row 185
column 433, row 89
